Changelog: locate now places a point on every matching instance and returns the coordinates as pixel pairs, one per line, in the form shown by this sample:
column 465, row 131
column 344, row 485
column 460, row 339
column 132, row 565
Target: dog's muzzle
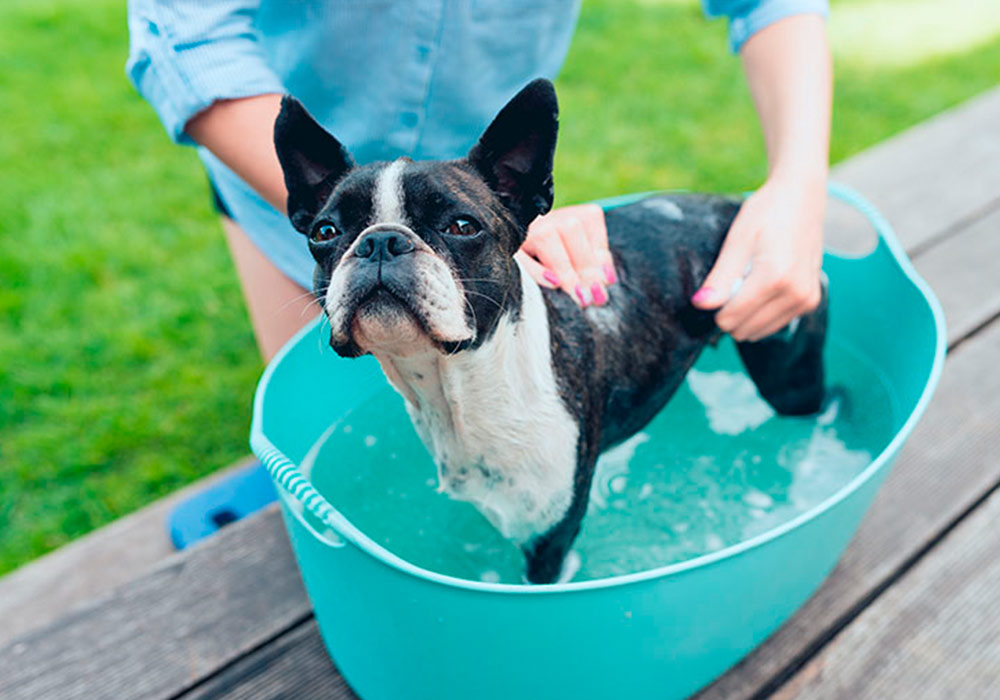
column 389, row 291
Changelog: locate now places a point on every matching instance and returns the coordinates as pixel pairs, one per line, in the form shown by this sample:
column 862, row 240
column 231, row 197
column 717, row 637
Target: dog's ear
column 313, row 161
column 514, row 154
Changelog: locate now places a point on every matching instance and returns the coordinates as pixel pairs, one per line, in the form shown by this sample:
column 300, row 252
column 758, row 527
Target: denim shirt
column 420, row 78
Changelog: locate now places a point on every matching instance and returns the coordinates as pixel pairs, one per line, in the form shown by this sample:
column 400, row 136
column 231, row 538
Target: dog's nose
column 384, row 245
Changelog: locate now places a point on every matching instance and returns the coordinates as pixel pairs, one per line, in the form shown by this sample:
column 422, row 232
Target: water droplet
column 489, row 576
column 370, row 440
column 645, row 491
column 713, row 542
column 618, row 484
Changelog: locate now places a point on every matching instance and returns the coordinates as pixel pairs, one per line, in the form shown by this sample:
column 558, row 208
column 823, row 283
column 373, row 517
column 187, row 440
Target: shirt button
column 409, row 119
column 423, row 52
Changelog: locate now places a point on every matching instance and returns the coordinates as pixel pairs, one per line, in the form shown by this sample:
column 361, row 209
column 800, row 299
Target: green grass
column 127, row 362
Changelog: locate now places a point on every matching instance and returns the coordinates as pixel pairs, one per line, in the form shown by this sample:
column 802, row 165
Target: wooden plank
column 49, row 587
column 295, row 666
column 935, row 634
column 162, row 633
column 946, row 466
column 933, row 177
column 964, row 271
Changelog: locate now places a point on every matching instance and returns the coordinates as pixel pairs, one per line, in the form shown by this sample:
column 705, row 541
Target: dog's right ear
column 514, row 155
column 312, row 159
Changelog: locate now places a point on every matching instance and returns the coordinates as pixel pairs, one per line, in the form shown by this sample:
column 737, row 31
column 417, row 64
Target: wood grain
column 964, row 271
column 165, row 631
column 935, row 634
column 294, row 666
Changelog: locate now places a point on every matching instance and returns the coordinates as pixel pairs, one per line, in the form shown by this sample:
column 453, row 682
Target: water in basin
column 714, row 468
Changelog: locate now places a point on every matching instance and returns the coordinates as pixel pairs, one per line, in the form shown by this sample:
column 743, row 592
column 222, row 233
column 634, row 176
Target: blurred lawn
column 127, row 363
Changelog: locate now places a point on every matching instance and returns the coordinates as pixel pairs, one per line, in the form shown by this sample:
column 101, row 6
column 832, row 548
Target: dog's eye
column 324, row 232
column 463, row 227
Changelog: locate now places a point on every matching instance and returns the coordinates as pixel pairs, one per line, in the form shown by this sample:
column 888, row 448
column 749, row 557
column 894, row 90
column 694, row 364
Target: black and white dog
column 514, row 389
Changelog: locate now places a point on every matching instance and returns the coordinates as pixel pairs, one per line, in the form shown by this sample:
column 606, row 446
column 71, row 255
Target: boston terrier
column 514, row 389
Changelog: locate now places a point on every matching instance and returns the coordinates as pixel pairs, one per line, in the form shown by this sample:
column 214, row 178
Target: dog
column 514, row 389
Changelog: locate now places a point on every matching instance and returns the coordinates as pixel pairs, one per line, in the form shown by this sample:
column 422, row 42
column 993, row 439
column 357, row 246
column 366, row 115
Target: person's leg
column 278, row 306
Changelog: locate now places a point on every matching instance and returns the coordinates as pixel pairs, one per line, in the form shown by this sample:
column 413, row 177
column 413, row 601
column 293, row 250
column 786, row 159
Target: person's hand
column 568, row 249
column 778, row 237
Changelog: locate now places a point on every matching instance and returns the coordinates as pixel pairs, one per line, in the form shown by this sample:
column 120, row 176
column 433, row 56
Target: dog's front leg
column 545, row 555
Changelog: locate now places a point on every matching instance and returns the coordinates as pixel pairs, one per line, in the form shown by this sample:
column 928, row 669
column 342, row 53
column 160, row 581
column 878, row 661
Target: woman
column 423, row 78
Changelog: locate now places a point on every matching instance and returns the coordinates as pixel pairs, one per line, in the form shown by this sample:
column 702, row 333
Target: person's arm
column 240, row 133
column 200, row 66
column 779, row 231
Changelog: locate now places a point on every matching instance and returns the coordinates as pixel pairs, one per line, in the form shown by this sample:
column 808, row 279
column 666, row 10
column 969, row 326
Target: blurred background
column 127, row 362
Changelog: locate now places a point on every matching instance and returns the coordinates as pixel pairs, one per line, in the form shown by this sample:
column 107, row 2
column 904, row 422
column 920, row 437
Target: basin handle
column 888, row 242
column 301, row 495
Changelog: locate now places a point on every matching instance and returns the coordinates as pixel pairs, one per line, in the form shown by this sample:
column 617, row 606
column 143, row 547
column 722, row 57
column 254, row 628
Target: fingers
column 584, row 259
column 592, row 217
column 730, row 266
column 766, row 304
column 572, row 244
column 776, row 242
column 536, row 270
column 764, row 322
column 546, row 245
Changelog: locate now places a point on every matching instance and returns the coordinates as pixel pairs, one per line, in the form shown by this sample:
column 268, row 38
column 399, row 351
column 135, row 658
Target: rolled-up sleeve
column 747, row 17
column 185, row 55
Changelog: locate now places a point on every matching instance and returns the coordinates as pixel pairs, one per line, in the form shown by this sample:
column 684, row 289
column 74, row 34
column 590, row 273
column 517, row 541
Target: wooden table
column 912, row 610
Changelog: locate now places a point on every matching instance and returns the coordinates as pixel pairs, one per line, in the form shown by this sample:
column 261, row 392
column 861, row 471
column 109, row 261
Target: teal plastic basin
column 397, row 631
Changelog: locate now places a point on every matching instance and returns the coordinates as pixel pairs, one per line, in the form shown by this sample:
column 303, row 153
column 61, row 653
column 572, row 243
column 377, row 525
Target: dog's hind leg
column 787, row 367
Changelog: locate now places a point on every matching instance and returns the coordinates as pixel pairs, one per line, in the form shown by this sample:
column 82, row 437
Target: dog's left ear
column 312, row 159
column 514, row 154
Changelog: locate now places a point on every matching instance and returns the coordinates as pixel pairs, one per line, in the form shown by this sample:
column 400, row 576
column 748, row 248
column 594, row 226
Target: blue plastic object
column 398, row 631
column 208, row 511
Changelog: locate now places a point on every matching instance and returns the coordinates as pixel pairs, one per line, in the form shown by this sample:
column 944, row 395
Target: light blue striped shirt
column 420, row 78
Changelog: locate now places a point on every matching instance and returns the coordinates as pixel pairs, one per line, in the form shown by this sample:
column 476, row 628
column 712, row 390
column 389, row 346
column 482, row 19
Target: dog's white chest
column 496, row 425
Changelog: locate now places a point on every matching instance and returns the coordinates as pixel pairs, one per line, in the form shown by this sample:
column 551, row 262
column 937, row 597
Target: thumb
column 729, row 269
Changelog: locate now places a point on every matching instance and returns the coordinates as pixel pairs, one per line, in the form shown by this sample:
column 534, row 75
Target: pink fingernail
column 582, row 297
column 551, row 277
column 609, row 273
column 705, row 294
column 600, row 296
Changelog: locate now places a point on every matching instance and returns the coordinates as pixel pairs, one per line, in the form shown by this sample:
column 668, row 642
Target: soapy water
column 714, row 468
